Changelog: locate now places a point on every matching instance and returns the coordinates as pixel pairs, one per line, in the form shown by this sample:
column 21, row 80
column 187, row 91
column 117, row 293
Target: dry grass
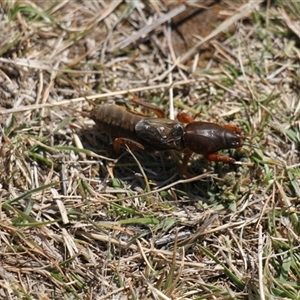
column 78, row 222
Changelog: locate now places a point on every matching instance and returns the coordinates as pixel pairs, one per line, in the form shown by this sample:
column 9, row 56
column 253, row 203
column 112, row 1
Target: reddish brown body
column 141, row 132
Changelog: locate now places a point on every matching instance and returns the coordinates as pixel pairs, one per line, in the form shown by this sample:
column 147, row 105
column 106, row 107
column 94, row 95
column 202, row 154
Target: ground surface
column 80, row 222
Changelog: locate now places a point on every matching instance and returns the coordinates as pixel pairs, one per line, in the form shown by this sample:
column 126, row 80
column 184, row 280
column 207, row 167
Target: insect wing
column 161, row 133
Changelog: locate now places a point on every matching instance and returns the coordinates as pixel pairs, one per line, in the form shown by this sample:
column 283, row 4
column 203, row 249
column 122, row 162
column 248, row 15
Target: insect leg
column 184, row 118
column 217, row 157
column 125, row 141
column 158, row 112
column 183, row 169
column 232, row 128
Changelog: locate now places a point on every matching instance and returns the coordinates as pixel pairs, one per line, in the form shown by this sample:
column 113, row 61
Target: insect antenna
column 248, row 142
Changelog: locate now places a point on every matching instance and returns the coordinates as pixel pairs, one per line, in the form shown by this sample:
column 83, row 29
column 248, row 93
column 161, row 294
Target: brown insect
column 140, row 132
